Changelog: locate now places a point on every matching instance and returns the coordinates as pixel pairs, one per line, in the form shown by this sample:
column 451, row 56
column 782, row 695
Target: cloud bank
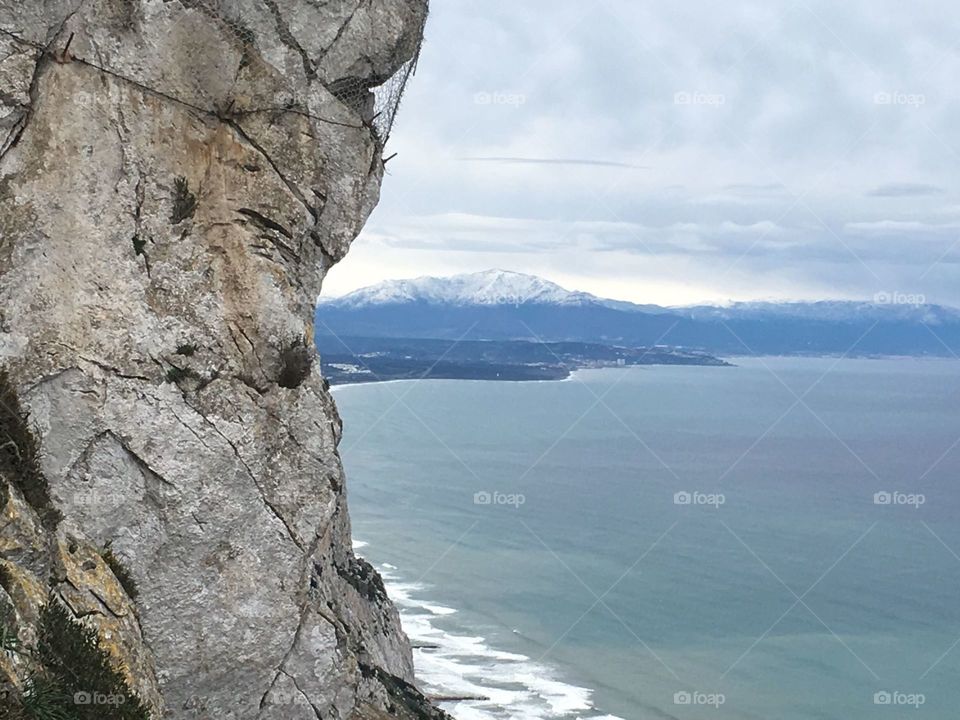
column 679, row 153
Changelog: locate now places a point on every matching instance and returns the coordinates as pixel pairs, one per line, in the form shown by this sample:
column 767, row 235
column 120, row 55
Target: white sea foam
column 460, row 664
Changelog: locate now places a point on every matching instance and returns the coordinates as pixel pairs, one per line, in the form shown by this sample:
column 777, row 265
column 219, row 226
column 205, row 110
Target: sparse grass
column 6, row 582
column 43, row 700
column 296, row 361
column 120, row 572
column 187, row 349
column 68, row 669
column 184, row 201
column 9, row 639
column 73, row 663
column 176, row 374
column 10, row 709
column 20, row 454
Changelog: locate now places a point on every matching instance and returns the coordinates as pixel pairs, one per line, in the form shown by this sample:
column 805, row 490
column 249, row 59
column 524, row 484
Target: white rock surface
column 218, row 486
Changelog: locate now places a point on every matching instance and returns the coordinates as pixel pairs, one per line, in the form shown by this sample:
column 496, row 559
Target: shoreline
column 732, row 361
column 468, row 675
column 568, row 378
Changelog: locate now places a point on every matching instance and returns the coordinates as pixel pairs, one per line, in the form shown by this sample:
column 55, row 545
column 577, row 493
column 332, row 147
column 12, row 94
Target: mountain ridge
column 487, row 287
column 501, row 305
column 506, row 287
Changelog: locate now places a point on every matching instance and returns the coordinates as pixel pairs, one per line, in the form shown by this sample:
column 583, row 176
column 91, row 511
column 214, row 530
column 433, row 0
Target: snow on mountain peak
column 489, row 287
column 504, row 287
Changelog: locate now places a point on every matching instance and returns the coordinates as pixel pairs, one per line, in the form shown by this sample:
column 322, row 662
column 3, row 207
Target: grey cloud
column 904, row 228
column 553, row 161
column 906, row 189
column 751, row 188
column 800, row 140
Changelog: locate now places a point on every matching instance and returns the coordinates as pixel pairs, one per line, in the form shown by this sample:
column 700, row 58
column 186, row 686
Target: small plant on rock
column 75, row 666
column 69, row 669
column 20, row 454
column 9, row 639
column 184, row 201
column 296, row 361
column 176, row 374
column 120, row 572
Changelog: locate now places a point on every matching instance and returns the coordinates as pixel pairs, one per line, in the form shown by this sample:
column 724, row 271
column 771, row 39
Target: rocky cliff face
column 176, row 177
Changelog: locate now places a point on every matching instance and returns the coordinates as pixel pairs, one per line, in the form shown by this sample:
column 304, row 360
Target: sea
column 776, row 539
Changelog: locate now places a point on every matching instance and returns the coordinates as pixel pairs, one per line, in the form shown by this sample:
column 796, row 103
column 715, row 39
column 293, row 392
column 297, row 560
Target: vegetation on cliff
column 71, row 676
column 20, row 453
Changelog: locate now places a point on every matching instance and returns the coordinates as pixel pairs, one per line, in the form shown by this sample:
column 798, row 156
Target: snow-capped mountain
column 489, row 287
column 502, row 305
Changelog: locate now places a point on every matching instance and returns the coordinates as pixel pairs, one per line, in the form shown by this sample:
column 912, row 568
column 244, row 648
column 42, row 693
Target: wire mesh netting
column 389, row 96
column 372, row 100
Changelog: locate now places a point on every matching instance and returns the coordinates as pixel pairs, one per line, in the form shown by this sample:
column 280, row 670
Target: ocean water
column 777, row 539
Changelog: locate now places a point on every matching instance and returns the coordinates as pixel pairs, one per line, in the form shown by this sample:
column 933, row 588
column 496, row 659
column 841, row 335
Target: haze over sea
column 787, row 587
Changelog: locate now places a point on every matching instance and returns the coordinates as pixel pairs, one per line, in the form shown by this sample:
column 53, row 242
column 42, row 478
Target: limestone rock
column 176, row 177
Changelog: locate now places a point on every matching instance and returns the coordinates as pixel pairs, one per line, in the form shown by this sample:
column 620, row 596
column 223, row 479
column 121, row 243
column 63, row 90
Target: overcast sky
column 679, row 152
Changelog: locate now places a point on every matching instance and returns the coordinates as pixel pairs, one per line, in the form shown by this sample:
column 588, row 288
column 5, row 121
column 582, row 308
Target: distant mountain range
column 502, row 305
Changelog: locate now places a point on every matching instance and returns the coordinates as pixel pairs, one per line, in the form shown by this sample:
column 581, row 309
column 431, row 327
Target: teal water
column 797, row 597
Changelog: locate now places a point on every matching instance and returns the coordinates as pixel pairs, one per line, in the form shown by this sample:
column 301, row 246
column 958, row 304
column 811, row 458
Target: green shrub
column 176, row 374
column 44, row 700
column 120, row 572
column 72, row 678
column 187, row 349
column 9, row 639
column 74, row 667
column 184, row 201
column 296, row 362
column 20, row 454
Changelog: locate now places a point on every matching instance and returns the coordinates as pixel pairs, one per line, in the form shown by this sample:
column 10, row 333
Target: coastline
column 392, row 479
column 378, row 359
column 467, row 675
column 731, row 361
column 569, row 378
